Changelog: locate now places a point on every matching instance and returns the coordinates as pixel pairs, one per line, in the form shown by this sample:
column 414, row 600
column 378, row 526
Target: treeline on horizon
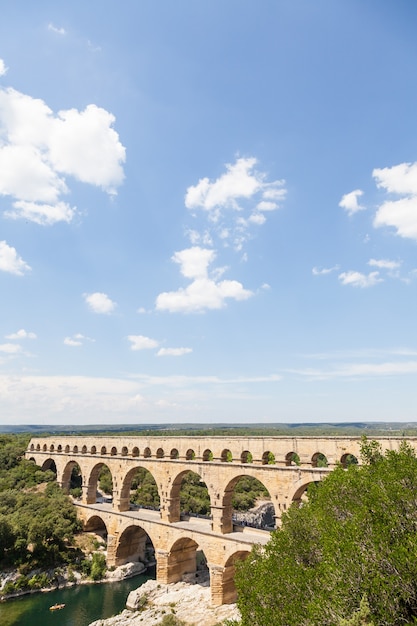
column 371, row 429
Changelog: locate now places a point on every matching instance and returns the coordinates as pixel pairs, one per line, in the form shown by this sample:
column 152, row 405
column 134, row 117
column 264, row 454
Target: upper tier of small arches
column 318, row 459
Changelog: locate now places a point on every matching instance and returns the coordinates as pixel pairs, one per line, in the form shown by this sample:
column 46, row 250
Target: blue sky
column 208, row 211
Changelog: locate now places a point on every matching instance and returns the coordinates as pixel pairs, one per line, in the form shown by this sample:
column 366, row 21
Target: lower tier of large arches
column 181, row 551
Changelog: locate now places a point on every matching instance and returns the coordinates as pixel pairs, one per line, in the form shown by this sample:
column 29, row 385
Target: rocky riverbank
column 189, row 603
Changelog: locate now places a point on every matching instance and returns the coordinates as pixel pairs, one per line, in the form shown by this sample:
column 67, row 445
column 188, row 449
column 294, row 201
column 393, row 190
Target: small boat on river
column 56, row 607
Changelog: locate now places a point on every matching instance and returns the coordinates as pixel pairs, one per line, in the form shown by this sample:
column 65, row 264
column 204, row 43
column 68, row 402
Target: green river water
column 83, row 604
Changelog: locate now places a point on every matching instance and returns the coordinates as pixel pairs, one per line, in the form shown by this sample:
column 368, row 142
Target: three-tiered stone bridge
column 220, row 462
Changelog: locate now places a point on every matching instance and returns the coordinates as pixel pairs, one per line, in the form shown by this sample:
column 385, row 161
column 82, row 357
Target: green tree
column 355, row 537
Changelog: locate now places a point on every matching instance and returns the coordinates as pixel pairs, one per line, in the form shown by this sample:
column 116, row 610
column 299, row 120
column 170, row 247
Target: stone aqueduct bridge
column 220, row 462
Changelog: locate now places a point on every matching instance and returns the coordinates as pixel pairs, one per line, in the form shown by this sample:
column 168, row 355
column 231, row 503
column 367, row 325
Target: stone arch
column 32, row 460
column 32, row 447
column 182, row 559
column 226, row 456
column 45, row 447
column 207, row 455
column 134, row 544
column 97, row 525
column 38, row 447
column 113, row 451
column 84, row 450
column 49, row 464
column 93, row 450
column 147, row 453
column 227, row 502
column 59, row 449
column 68, row 476
column 51, row 447
column 190, row 455
column 93, row 482
column 125, row 451
column 246, row 457
column 292, row 458
column 319, row 460
column 103, row 450
column 229, row 592
column 75, row 449
column 127, row 498
column 174, row 454
column 175, row 507
column 160, row 453
column 67, row 449
column 268, row 458
column 348, row 459
column 135, row 451
column 301, row 492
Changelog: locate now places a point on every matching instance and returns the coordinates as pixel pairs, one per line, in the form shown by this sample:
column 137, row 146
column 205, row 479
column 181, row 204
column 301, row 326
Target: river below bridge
column 83, row 604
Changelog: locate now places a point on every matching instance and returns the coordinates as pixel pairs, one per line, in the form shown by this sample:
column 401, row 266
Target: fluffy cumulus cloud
column 204, row 291
column 233, row 202
column 401, row 212
column 10, row 261
column 99, row 302
column 357, row 279
column 140, row 342
column 350, row 203
column 3, row 68
column 40, row 151
column 173, row 351
column 21, row 334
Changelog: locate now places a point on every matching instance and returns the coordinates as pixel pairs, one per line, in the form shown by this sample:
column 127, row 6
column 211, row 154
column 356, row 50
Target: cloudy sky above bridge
column 208, row 211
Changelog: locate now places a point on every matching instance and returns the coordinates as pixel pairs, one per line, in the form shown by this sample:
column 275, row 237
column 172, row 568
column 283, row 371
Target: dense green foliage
column 247, row 491
column 145, row 489
column 194, row 497
column 355, row 538
column 37, row 521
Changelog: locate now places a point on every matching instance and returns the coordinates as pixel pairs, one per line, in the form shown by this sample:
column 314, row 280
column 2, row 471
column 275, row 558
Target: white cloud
column 257, row 218
column 356, row 279
column 317, row 271
column 56, row 29
column 10, row 348
column 357, row 370
column 21, row 334
column 173, row 351
column 10, row 261
column 40, row 151
column 384, row 264
column 3, row 68
column 139, row 342
column 76, row 340
column 44, row 214
column 100, row 302
column 69, row 341
column 349, row 202
column 240, row 185
column 402, row 213
column 203, row 292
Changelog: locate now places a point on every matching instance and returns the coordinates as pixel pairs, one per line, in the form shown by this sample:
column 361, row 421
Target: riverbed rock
column 125, row 571
column 190, row 603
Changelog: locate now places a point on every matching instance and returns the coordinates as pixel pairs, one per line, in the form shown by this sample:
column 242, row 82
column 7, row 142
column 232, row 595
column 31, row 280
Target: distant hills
column 313, row 429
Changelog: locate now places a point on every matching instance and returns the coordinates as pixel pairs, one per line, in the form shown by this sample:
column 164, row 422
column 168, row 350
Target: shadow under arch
column 139, row 478
column 186, row 562
column 228, row 579
column 71, row 470
column 49, row 464
column 95, row 524
column 134, row 544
